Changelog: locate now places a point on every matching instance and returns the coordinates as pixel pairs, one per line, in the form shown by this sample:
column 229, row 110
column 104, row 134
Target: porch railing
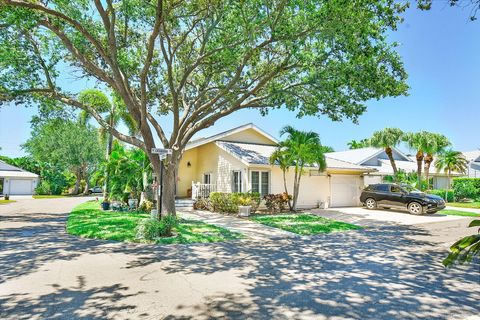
column 202, row 190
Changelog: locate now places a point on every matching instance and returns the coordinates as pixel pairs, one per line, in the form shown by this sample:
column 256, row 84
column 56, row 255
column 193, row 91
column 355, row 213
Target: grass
column 89, row 221
column 304, row 224
column 6, row 201
column 474, row 205
column 49, row 196
column 459, row 213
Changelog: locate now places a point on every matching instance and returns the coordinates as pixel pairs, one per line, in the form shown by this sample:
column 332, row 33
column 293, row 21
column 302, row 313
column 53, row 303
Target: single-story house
column 237, row 160
column 16, row 181
column 376, row 158
column 473, row 157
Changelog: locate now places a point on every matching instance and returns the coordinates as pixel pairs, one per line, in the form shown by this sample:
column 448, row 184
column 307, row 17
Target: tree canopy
column 178, row 67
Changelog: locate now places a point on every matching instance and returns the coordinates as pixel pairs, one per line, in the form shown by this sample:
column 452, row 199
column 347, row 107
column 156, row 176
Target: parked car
column 391, row 195
column 95, row 189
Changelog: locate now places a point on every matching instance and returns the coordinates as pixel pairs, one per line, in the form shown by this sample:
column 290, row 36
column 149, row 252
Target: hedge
column 466, row 188
column 441, row 193
column 229, row 202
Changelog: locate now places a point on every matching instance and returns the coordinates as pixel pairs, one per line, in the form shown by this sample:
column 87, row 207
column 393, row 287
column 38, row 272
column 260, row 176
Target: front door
column 1, row 185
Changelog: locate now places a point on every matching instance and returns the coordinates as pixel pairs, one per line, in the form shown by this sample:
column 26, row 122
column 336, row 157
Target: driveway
column 389, row 272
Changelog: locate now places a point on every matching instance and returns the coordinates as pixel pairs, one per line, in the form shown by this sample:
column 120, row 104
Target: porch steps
column 184, row 204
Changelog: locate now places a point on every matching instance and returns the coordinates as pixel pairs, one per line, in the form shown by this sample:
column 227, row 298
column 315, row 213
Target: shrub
column 277, row 202
column 466, row 188
column 151, row 229
column 229, row 202
column 43, row 188
column 202, row 204
column 146, row 206
column 441, row 193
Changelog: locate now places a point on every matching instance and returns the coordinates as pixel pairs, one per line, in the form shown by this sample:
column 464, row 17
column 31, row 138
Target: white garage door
column 20, row 187
column 344, row 191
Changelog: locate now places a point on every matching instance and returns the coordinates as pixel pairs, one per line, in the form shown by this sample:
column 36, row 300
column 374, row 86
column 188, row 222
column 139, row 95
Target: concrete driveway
column 389, row 272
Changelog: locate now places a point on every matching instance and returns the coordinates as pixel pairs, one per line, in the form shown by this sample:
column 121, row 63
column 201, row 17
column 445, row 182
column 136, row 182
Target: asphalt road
column 381, row 272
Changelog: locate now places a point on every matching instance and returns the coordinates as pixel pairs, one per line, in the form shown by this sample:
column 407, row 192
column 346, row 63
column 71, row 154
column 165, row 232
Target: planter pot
column 105, row 205
column 132, row 203
column 7, row 197
column 244, row 211
column 323, row 205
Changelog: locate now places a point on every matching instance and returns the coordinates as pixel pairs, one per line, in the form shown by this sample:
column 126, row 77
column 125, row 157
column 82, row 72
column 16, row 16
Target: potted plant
column 244, row 206
column 105, row 204
column 7, row 197
column 132, row 201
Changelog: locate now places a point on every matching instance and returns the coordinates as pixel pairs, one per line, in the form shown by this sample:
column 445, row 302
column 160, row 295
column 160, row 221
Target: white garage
column 15, row 181
column 345, row 190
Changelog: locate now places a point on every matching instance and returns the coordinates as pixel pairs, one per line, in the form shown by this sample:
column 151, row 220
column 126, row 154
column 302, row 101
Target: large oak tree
column 180, row 66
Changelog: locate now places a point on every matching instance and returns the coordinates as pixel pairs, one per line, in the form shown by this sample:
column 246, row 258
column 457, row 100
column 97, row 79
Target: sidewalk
column 249, row 228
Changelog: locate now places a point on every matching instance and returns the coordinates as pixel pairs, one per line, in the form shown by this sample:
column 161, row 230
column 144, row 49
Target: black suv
column 391, row 195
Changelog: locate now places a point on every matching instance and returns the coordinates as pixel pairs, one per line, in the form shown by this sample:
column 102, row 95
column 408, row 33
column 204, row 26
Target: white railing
column 202, row 190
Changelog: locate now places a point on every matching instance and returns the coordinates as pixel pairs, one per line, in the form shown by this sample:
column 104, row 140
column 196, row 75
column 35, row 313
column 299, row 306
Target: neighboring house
column 16, row 181
column 473, row 158
column 237, row 160
column 376, row 158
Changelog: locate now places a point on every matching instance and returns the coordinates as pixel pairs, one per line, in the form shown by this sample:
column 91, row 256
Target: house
column 237, row 160
column 376, row 158
column 16, row 181
column 473, row 157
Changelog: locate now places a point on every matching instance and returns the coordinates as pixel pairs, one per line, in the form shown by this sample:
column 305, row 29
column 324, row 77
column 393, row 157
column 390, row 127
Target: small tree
column 283, row 159
column 436, row 143
column 449, row 161
column 387, row 139
column 300, row 149
column 418, row 141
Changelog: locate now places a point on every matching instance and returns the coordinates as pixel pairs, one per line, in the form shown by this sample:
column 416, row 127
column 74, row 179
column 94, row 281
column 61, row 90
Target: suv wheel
column 370, row 203
column 415, row 208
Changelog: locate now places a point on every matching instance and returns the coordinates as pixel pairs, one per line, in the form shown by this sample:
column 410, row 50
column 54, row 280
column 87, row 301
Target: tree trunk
column 107, row 158
column 78, row 180
column 428, row 162
column 448, row 185
column 169, row 181
column 296, row 186
column 87, row 184
column 286, row 190
column 419, row 157
column 389, row 153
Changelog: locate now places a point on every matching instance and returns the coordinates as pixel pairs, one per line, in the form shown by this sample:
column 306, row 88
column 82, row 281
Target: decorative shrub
column 146, row 206
column 277, row 202
column 43, row 188
column 441, row 193
column 202, row 204
column 466, row 188
column 151, row 229
column 229, row 202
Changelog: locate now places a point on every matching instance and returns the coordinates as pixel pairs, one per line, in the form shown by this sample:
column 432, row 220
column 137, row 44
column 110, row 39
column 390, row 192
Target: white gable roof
column 7, row 170
column 359, row 156
column 472, row 155
column 223, row 135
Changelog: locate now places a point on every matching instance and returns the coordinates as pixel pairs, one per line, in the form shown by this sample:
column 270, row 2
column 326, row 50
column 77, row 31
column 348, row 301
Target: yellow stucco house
column 237, row 161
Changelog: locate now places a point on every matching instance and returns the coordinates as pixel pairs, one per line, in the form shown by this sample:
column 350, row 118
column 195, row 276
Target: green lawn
column 89, row 221
column 459, row 213
column 49, row 196
column 305, row 224
column 6, row 201
column 475, row 205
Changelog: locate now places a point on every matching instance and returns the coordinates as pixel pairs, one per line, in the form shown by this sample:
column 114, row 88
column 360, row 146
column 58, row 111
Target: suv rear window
column 382, row 187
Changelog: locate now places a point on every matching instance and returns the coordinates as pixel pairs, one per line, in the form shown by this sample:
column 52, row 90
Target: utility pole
column 162, row 154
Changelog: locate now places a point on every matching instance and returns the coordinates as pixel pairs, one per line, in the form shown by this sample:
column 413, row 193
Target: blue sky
column 441, row 52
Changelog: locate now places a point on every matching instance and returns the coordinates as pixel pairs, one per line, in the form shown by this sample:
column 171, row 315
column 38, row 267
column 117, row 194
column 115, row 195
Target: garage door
column 344, row 191
column 20, row 187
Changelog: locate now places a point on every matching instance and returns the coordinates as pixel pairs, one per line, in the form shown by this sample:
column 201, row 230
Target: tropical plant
column 449, row 161
column 114, row 112
column 354, row 144
column 282, row 158
column 436, row 144
column 466, row 188
column 418, row 141
column 465, row 249
column 182, row 66
column 387, row 139
column 300, row 149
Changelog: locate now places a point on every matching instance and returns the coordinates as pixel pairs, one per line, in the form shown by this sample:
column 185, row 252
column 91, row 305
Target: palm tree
column 354, row 144
column 387, row 139
column 449, row 161
column 116, row 113
column 436, row 144
column 281, row 158
column 418, row 141
column 301, row 148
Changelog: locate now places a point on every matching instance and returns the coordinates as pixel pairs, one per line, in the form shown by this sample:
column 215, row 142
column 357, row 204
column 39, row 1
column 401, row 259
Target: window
column 207, row 178
column 1, row 185
column 395, row 189
column 382, row 187
column 237, row 181
column 261, row 182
